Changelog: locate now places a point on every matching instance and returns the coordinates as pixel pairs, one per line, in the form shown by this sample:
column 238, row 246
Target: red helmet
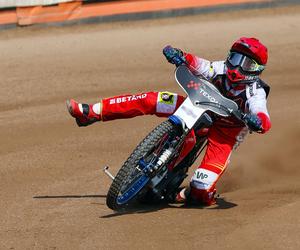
column 246, row 60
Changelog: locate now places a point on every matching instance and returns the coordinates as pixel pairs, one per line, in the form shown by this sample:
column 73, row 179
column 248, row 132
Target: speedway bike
column 159, row 164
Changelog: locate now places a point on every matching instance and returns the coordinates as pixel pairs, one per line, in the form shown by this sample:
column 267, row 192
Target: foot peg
column 105, row 170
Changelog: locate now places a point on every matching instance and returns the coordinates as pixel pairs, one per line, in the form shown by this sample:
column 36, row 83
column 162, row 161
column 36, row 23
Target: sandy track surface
column 52, row 189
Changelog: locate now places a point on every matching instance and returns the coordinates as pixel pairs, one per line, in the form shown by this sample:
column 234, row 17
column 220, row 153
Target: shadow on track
column 69, row 196
column 221, row 204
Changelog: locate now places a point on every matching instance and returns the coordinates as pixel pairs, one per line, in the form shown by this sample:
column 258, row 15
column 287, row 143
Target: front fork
column 177, row 146
column 171, row 152
column 167, row 149
column 190, row 140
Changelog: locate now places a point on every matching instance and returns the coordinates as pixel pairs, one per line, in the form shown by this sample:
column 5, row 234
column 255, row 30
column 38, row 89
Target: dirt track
column 52, row 189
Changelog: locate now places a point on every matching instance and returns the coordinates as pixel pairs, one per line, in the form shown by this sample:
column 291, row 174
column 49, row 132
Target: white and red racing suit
column 225, row 133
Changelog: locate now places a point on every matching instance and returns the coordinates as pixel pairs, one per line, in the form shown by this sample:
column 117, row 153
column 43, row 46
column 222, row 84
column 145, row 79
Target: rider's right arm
column 203, row 67
column 257, row 105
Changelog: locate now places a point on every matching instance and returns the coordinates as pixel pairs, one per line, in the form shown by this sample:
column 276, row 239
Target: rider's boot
column 202, row 196
column 85, row 114
column 183, row 195
column 193, row 196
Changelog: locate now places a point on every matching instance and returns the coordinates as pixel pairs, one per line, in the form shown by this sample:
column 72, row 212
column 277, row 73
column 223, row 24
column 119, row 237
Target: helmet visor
column 247, row 64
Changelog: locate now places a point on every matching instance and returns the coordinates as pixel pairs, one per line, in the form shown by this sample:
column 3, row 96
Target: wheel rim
column 133, row 189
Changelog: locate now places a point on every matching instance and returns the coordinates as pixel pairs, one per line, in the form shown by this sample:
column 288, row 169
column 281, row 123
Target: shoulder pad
column 262, row 84
column 252, row 89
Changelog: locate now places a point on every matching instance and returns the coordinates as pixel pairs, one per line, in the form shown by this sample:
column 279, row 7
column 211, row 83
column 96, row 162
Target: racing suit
column 223, row 136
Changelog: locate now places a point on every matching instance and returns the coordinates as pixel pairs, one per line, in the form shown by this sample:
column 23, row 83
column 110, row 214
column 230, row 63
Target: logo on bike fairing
column 127, row 98
column 208, row 96
column 193, row 85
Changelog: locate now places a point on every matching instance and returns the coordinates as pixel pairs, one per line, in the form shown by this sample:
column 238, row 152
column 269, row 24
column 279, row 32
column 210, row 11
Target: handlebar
column 209, row 97
column 237, row 113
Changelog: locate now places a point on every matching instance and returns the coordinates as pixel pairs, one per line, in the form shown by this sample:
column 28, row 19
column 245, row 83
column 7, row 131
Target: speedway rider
column 237, row 78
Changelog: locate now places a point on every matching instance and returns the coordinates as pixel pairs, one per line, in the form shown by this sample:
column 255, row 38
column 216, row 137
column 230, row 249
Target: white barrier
column 23, row 3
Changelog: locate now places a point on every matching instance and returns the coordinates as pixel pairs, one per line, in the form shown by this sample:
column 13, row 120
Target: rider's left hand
column 253, row 122
column 174, row 55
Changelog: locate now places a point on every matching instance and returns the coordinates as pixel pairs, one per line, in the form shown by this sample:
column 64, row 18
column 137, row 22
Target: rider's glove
column 253, row 122
column 173, row 55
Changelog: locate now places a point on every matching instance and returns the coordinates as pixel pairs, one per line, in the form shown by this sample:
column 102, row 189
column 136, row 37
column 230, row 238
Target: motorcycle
column 159, row 164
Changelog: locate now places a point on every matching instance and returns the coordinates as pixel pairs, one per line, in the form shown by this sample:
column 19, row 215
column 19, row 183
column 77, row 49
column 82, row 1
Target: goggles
column 247, row 64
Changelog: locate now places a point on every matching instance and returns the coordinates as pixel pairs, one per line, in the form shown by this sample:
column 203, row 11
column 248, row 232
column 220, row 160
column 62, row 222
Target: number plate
column 189, row 113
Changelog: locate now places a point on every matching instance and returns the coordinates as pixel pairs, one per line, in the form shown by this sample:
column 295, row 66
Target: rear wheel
column 130, row 180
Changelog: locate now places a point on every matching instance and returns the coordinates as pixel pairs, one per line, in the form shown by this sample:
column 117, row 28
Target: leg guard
column 150, row 103
column 213, row 165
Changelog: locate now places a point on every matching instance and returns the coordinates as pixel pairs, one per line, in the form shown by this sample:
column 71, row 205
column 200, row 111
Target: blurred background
column 52, row 187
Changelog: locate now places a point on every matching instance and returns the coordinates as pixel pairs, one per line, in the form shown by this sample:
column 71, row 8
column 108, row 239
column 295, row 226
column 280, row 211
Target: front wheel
column 130, row 181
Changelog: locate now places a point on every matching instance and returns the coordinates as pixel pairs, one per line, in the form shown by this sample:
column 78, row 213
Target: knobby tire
column 150, row 141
